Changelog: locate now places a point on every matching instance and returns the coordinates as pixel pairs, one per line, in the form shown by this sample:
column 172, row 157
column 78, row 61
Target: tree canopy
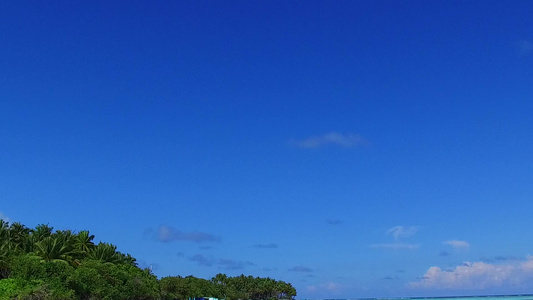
column 38, row 263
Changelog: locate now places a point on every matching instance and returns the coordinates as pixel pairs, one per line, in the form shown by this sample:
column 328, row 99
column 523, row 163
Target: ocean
column 498, row 297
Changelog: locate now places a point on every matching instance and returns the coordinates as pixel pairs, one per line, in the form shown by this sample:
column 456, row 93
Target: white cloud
column 4, row 217
column 402, row 231
column 329, row 287
column 396, row 246
column 478, row 276
column 333, row 138
column 457, row 244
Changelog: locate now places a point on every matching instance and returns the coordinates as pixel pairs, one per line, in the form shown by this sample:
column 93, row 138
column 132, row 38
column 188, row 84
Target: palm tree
column 18, row 234
column 128, row 259
column 4, row 255
column 5, row 234
column 221, row 281
column 84, row 242
column 106, row 253
column 3, row 226
column 29, row 244
column 57, row 247
column 41, row 231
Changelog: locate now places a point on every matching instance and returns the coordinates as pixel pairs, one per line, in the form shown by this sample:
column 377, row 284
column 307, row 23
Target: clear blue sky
column 352, row 148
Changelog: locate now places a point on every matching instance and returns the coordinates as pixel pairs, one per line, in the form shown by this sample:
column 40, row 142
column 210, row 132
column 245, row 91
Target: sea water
column 499, row 297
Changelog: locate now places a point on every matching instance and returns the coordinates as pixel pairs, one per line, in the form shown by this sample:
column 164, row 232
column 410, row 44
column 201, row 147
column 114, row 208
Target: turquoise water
column 499, row 297
column 502, row 297
column 510, row 297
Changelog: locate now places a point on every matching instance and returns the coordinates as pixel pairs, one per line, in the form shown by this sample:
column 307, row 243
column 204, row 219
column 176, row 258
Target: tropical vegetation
column 40, row 263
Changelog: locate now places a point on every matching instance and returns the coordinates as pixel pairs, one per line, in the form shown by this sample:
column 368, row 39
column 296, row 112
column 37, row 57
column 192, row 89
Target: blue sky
column 352, row 148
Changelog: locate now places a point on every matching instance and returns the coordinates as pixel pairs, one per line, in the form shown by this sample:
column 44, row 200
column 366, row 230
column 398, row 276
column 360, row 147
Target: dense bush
column 39, row 264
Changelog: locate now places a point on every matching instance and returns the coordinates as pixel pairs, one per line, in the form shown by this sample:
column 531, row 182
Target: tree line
column 223, row 287
column 40, row 263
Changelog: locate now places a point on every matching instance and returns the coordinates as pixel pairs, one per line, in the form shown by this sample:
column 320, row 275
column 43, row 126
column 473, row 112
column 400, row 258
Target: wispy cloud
column 402, row 231
column 396, row 246
column 334, row 222
column 301, row 269
column 504, row 258
column 266, row 246
column 202, row 260
column 168, row 234
column 231, row 264
column 398, row 232
column 228, row 264
column 457, row 244
column 326, row 288
column 349, row 140
column 499, row 258
column 479, row 276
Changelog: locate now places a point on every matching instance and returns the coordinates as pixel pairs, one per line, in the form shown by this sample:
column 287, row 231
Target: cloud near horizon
column 301, row 269
column 228, row 264
column 327, row 288
column 396, row 246
column 349, row 140
column 402, row 231
column 167, row 234
column 457, row 244
column 499, row 258
column 479, row 276
column 390, row 277
column 231, row 264
column 202, row 260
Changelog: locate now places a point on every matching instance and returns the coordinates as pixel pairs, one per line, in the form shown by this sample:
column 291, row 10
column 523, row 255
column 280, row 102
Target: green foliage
column 224, row 287
column 9, row 288
column 105, row 252
column 109, row 281
column 186, row 287
column 87, row 282
column 27, row 266
column 84, row 242
column 59, row 247
column 40, row 280
column 40, row 264
column 32, row 290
